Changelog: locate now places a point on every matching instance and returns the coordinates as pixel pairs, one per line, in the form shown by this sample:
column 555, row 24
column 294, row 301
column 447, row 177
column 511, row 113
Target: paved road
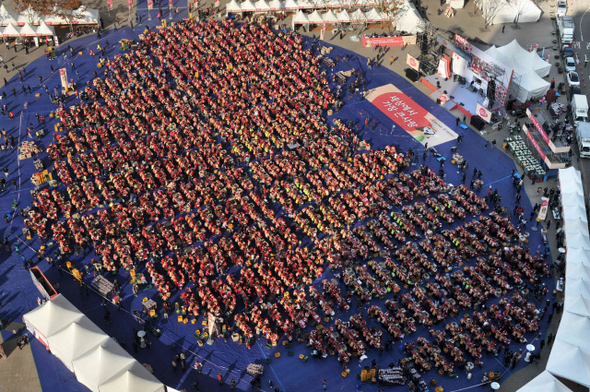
column 580, row 10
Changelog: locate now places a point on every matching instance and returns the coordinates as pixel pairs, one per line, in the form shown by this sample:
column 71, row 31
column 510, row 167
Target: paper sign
column 484, row 113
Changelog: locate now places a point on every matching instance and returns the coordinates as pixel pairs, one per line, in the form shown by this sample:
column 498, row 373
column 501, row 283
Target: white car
column 573, row 79
column 428, row 131
column 561, row 8
column 570, row 64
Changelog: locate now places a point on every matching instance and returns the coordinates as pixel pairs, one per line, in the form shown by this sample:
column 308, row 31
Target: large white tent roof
column 358, row 16
column 373, row 15
column 27, row 31
column 53, row 316
column 577, row 270
column 102, row 364
column 544, row 382
column 578, row 305
column 408, row 19
column 570, row 362
column 291, row 5
column 262, row 5
column 134, row 379
column 10, row 31
column 76, row 340
column 577, row 287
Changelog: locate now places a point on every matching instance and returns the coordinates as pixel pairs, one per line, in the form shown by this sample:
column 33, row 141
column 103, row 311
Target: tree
column 389, row 8
column 69, row 10
column 490, row 9
column 33, row 9
column 520, row 7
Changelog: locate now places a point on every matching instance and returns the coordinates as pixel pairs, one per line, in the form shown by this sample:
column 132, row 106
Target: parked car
column 573, row 79
column 575, row 90
column 567, row 51
column 570, row 64
column 561, row 8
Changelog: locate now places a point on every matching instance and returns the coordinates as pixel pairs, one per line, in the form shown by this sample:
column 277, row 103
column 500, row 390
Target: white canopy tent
column 570, row 362
column 330, row 17
column 580, row 271
column 76, row 340
column 233, row 8
column 343, row 17
column 305, row 5
column 262, row 6
column 51, row 317
column 134, row 379
column 315, row 17
column 544, row 382
column 299, row 18
column 571, row 178
column 247, row 6
column 276, row 5
column 577, row 287
column 524, row 58
column 291, row 5
column 574, row 329
column 7, row 17
column 28, row 16
column 530, row 86
column 577, row 240
column 102, row 364
column 373, row 15
column 577, row 225
column 27, row 31
column 10, row 31
column 44, row 30
column 334, row 3
column 577, row 305
column 408, row 19
column 521, row 11
column 358, row 16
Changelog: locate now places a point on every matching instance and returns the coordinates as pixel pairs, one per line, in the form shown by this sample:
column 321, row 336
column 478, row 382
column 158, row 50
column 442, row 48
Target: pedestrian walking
column 219, row 378
column 135, row 347
column 457, row 121
column 503, row 28
column 325, row 385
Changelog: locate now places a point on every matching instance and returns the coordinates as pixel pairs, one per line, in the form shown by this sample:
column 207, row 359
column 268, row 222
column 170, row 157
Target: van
column 561, row 8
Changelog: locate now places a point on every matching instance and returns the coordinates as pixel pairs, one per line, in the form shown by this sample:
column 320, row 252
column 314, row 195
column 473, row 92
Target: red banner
column 150, row 4
column 535, row 144
column 170, row 3
column 130, row 3
column 384, row 41
column 538, row 126
column 410, row 116
column 109, row 3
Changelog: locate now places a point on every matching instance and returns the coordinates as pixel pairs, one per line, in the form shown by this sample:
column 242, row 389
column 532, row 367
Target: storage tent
column 10, row 31
column 51, row 317
column 570, row 362
column 27, row 31
column 276, row 5
column 102, row 364
column 134, row 379
column 43, row 30
column 408, row 19
column 544, row 382
column 343, row 17
column 7, row 17
column 76, row 340
column 330, row 17
column 233, row 8
column 520, row 11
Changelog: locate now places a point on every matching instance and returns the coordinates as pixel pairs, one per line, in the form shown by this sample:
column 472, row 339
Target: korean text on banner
column 63, row 75
column 535, row 144
column 538, row 126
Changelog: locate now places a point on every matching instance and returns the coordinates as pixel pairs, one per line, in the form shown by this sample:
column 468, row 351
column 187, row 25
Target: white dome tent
column 544, row 382
column 408, row 19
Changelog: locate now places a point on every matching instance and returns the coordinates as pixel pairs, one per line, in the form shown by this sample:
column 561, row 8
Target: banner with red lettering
column 538, row 126
column 150, row 4
column 109, row 3
column 170, row 4
column 534, row 142
column 389, row 41
column 411, row 117
column 130, row 3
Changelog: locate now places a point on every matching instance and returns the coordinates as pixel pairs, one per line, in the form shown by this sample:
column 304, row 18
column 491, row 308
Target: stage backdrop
column 410, row 116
